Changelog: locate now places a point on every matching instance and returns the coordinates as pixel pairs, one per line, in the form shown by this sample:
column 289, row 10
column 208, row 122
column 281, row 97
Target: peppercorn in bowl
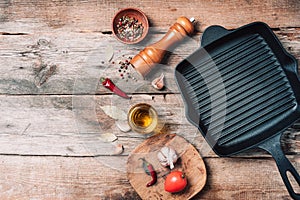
column 130, row 25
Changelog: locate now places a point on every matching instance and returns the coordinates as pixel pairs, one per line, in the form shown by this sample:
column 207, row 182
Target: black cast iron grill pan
column 242, row 90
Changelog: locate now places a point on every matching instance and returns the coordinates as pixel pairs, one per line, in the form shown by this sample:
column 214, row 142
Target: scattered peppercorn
column 124, row 69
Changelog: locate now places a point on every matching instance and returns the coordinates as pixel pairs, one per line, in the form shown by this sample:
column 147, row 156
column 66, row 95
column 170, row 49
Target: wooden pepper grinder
column 146, row 60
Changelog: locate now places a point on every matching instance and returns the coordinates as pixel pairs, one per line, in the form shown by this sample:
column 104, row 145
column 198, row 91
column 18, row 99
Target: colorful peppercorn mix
column 129, row 28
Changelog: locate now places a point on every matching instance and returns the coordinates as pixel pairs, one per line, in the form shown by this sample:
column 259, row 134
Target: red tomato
column 175, row 182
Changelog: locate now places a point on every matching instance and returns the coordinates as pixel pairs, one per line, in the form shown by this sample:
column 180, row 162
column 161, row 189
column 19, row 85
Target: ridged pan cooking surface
column 241, row 90
column 236, row 90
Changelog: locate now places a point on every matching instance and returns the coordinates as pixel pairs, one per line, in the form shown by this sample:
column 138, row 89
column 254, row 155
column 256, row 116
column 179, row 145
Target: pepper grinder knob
column 153, row 54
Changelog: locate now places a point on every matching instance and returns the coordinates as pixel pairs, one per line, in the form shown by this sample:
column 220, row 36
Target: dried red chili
column 106, row 82
column 150, row 171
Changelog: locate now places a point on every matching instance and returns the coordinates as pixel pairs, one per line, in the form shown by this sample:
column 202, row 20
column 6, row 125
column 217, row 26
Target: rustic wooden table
column 52, row 54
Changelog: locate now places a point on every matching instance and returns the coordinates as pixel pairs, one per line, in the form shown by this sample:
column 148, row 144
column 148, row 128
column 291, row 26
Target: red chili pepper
column 106, row 82
column 150, row 171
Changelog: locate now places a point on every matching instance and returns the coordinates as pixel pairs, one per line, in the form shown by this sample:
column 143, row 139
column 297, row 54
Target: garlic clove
column 158, row 83
column 119, row 149
column 167, row 157
column 171, row 155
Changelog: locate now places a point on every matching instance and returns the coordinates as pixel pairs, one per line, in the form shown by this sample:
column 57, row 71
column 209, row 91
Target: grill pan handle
column 213, row 33
column 284, row 165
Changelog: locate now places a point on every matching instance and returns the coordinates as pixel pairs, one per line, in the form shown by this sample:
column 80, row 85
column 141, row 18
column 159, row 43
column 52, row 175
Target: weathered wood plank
column 79, row 61
column 68, row 63
column 35, row 177
column 33, row 16
column 72, row 125
column 51, row 55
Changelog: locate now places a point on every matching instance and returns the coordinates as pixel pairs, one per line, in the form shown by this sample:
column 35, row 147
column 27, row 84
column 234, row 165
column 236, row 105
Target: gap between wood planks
column 7, row 33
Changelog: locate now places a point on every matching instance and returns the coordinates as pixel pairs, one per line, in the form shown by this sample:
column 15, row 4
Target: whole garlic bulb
column 167, row 157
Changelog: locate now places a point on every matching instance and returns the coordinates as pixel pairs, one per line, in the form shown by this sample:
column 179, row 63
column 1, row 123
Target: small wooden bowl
column 132, row 13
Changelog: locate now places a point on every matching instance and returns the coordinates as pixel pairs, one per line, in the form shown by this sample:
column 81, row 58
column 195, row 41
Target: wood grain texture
column 71, row 63
column 52, row 53
column 72, row 126
column 97, row 15
column 38, row 177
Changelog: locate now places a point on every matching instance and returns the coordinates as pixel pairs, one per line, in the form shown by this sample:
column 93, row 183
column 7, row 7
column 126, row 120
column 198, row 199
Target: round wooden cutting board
column 190, row 162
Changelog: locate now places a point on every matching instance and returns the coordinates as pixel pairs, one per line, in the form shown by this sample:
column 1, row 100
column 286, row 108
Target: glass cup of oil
column 143, row 119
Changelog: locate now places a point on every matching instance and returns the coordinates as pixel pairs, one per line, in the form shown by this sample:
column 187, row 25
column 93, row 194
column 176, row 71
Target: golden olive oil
column 142, row 118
